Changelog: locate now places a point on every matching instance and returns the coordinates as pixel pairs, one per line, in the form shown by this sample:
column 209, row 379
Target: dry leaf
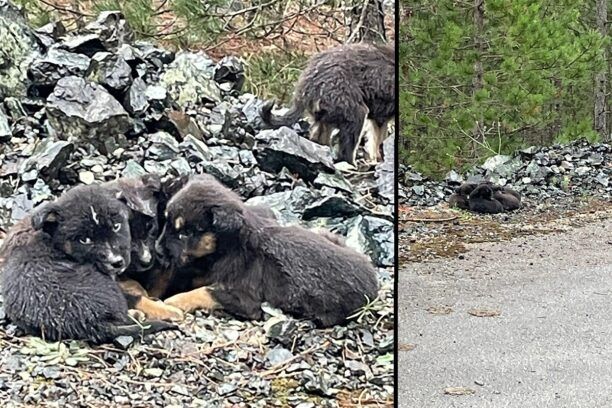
column 406, row 347
column 484, row 312
column 440, row 310
column 459, row 391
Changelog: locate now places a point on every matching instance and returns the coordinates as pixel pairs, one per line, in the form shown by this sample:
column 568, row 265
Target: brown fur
column 340, row 88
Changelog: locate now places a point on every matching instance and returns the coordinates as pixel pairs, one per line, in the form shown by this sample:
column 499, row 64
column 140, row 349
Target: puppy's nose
column 118, row 264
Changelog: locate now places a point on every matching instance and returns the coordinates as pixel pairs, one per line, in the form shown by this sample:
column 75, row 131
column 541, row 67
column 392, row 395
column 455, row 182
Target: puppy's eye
column 85, row 241
column 116, row 227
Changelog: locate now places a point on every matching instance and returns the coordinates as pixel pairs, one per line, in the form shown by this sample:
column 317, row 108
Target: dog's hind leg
column 350, row 134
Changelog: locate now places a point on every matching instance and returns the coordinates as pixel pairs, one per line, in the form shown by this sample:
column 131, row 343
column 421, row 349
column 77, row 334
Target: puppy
column 509, row 199
column 481, row 200
column 340, row 88
column 60, row 281
column 460, row 197
column 244, row 260
column 146, row 271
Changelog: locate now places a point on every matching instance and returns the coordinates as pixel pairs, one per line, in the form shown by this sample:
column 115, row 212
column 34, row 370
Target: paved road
column 550, row 347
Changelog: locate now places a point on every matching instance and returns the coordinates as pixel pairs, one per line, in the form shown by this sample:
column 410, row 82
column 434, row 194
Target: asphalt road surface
column 550, row 345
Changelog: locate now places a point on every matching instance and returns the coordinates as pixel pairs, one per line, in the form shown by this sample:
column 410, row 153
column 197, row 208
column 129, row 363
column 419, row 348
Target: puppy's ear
column 228, row 218
column 172, row 185
column 46, row 218
column 138, row 203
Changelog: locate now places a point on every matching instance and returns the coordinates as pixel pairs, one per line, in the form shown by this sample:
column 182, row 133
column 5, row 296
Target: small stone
column 86, row 177
column 123, row 342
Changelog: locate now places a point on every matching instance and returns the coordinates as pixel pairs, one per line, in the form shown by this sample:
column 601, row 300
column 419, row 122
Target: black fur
column 509, row 199
column 292, row 268
column 460, row 197
column 340, row 88
column 481, row 200
column 142, row 196
column 60, row 282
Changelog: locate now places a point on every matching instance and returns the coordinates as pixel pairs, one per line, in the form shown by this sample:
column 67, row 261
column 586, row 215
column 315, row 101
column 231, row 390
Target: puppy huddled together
column 78, row 267
column 485, row 198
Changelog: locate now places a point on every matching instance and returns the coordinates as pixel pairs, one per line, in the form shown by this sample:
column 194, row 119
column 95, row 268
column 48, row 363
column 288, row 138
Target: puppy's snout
column 115, row 262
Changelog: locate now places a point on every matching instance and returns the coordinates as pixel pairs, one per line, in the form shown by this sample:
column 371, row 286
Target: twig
column 279, row 367
column 454, row 217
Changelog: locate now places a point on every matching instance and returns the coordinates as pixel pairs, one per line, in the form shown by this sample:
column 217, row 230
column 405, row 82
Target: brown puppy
column 292, row 268
column 340, row 88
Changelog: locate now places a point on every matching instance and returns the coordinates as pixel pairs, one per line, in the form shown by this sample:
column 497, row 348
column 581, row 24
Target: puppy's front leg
column 200, row 298
column 138, row 299
column 160, row 281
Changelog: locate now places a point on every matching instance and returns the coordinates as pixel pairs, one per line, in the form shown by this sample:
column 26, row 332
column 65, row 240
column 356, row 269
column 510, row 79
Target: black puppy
column 60, row 281
column 509, row 199
column 460, row 197
column 252, row 260
column 481, row 200
column 146, row 272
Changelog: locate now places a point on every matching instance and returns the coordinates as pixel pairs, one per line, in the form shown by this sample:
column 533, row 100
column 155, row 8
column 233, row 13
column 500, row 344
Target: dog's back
column 325, row 282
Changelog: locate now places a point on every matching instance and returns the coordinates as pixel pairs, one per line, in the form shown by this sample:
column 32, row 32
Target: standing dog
column 340, row 88
column 245, row 260
column 60, row 281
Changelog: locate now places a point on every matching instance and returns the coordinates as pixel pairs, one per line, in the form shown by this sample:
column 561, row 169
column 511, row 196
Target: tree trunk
column 601, row 79
column 367, row 22
column 477, row 132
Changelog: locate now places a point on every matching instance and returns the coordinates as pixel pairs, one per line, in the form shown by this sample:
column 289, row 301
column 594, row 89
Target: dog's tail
column 276, row 121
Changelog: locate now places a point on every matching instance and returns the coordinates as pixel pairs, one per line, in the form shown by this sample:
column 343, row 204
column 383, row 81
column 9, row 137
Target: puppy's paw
column 193, row 300
column 158, row 310
column 137, row 315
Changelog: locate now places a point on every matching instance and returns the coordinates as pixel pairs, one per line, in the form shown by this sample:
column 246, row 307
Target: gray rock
column 87, row 44
column 372, row 236
column 133, row 169
column 111, row 29
column 164, row 147
column 18, row 48
column 48, row 158
column 336, row 181
column 331, row 206
column 5, row 129
column 56, row 64
column 51, row 372
column 195, row 150
column 229, row 73
column 80, row 110
column 384, row 172
column 278, row 355
column 135, row 100
column 288, row 204
column 283, row 332
column 189, row 80
column 123, row 342
column 284, row 148
column 110, row 70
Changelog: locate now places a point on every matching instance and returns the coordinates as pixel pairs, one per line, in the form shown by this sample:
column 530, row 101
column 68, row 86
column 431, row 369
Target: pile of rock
column 93, row 105
column 577, row 169
column 89, row 106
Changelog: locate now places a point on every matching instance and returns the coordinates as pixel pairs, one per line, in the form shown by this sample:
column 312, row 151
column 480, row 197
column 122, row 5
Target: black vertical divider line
column 396, row 209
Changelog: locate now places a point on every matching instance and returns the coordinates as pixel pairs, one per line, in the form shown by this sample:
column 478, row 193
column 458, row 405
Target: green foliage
column 37, row 15
column 538, row 61
column 138, row 13
column 271, row 74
